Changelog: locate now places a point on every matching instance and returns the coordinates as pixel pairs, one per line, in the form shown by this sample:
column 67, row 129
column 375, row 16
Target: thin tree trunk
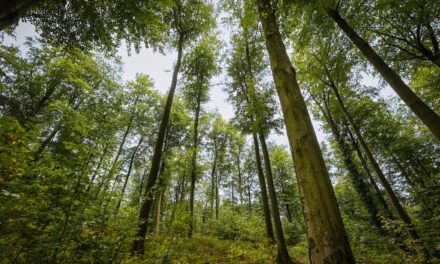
column 47, row 140
column 161, row 189
column 357, row 178
column 403, row 171
column 232, row 191
column 194, row 164
column 176, row 200
column 183, row 189
column 141, row 185
column 95, row 173
column 430, row 118
column 364, row 164
column 249, row 194
column 326, row 236
column 392, row 195
column 127, row 176
column 213, row 172
column 240, row 183
column 217, row 197
column 124, row 138
column 138, row 243
column 56, row 129
column 67, row 213
column 107, row 179
column 263, row 190
column 283, row 254
column 288, row 211
column 205, row 206
column 249, row 91
column 157, row 213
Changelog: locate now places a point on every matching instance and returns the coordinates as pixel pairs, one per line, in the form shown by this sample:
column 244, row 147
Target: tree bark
column 356, row 176
column 158, row 212
column 327, row 239
column 217, row 197
column 430, row 118
column 286, row 204
column 249, row 195
column 283, row 254
column 194, row 164
column 240, row 183
column 392, row 195
column 364, row 164
column 263, row 190
column 213, row 172
column 138, row 244
column 249, row 91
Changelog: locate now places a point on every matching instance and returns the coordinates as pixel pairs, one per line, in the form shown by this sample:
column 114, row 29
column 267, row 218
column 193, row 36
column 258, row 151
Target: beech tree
column 188, row 22
column 99, row 167
column 199, row 66
column 306, row 154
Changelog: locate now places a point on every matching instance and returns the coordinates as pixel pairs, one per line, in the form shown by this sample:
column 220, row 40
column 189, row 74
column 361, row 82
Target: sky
column 159, row 67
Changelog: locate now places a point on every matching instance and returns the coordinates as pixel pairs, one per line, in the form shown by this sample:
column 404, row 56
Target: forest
column 332, row 155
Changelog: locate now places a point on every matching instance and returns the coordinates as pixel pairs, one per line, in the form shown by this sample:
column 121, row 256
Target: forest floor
column 207, row 249
column 211, row 250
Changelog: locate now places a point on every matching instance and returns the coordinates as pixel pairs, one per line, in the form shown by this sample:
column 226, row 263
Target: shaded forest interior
column 97, row 169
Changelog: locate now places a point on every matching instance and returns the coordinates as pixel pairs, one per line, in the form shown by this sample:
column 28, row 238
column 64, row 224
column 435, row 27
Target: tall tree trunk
column 408, row 179
column 327, row 239
column 205, row 206
column 96, row 171
column 213, row 173
column 283, row 254
column 232, row 192
column 194, row 164
column 106, row 179
column 249, row 91
column 176, row 200
column 138, row 243
column 357, row 178
column 364, row 164
column 286, row 204
column 249, row 194
column 217, row 197
column 162, row 184
column 430, row 118
column 183, row 189
column 124, row 138
column 263, row 190
column 158, row 212
column 127, row 176
column 392, row 195
column 240, row 181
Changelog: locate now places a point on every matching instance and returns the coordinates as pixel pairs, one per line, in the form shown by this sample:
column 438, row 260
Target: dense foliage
column 96, row 169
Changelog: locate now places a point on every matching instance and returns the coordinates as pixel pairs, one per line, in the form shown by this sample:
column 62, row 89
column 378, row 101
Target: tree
column 306, row 154
column 199, row 67
column 420, row 108
column 91, row 24
column 188, row 22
